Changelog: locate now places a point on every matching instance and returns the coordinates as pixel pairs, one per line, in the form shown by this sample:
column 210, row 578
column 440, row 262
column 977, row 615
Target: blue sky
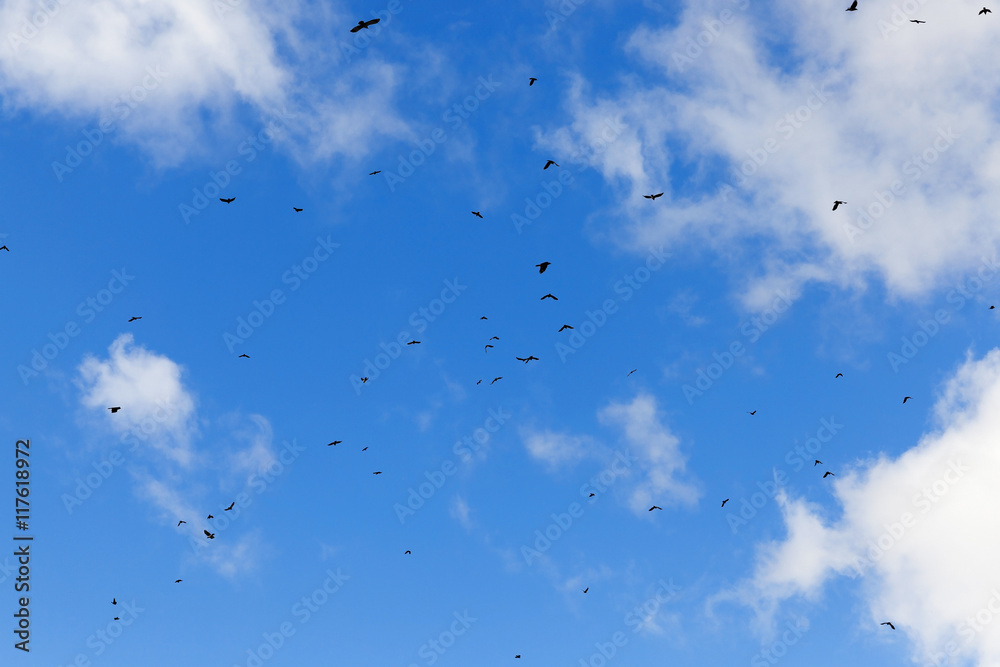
column 737, row 291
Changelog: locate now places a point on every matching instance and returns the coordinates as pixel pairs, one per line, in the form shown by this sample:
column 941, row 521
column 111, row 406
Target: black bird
column 564, row 327
column 914, row 21
column 135, row 318
column 906, row 398
column 543, row 266
column 816, row 463
column 378, row 171
column 632, row 371
column 180, row 522
column 379, row 472
column 527, row 359
column 209, row 535
column 364, row 25
column 227, row 201
column 243, row 356
column 483, row 317
column 752, row 413
column 549, row 164
column 414, row 342
column 334, row 443
column 592, row 495
column 364, row 449
column 363, row 380
column 210, row 516
column 297, row 210
column 406, row 552
column 724, row 502
column 230, row 506
column 517, row 656
column 486, row 349
column 479, row 381
column 985, row 11
column 837, row 203
column 828, row 474
column 838, row 375
column 3, row 247
column 586, row 589
column 495, row 338
column 114, row 601
column 531, row 81
column 653, row 197
column 495, row 379
column 478, row 214
column 177, row 581
column 114, row 410
column 654, row 507
column 889, row 624
column 549, row 296
column 116, row 618
column 853, row 7
column 992, row 307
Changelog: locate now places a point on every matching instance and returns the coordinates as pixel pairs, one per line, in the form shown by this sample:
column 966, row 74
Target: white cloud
column 461, row 512
column 882, row 101
column 914, row 530
column 557, row 449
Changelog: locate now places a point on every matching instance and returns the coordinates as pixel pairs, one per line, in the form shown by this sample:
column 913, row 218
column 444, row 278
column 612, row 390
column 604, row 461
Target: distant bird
column 227, row 201
column 478, row 214
column 177, row 581
column 364, row 25
column 231, row 505
column 549, row 296
column 586, row 589
column 116, row 618
column 828, row 474
column 495, row 338
column 632, row 371
column 543, row 266
column 837, row 203
column 297, row 210
column 564, row 327
column 992, row 307
column 985, row 11
column 414, row 342
column 531, row 82
column 592, row 495
column 724, row 502
column 379, row 472
column 889, row 624
column 488, row 346
column 406, row 552
column 378, row 171
column 549, row 163
column 180, row 522
column 838, row 375
column 495, row 379
column 517, row 656
column 752, row 413
column 915, row 21
column 654, row 507
column 3, row 247
column 483, row 317
column 209, row 535
column 527, row 359
column 816, row 463
column 114, row 601
column 479, row 381
column 906, row 398
column 363, row 380
column 853, row 7
column 653, row 197
column 210, row 516
column 364, row 449
column 135, row 318
column 114, row 410
column 334, row 443
column 243, row 356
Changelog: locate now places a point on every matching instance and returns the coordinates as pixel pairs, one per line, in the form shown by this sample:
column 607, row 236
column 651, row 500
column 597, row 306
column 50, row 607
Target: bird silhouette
column 180, row 522
column 115, row 409
column 531, row 80
column 210, row 517
column 654, row 507
column 816, row 463
column 116, row 618
column 377, row 171
column 992, row 307
column 379, row 472
column 564, row 327
column 483, row 317
column 114, row 601
column 334, row 443
column 838, row 375
column 478, row 214
column 495, row 379
column 632, row 371
column 527, row 359
column 549, row 163
column 549, row 296
column 586, row 589
column 134, row 319
column 853, row 7
column 592, row 495
column 209, row 535
column 177, row 581
column 724, row 502
column 407, row 552
column 653, row 197
column 889, row 624
column 837, row 203
column 297, row 210
column 231, row 505
column 828, row 474
column 364, row 25
column 494, row 337
column 543, row 266
column 227, row 201
column 752, row 413
column 488, row 346
column 364, row 449
column 3, row 247
column 243, row 356
column 414, row 342
column 363, row 380
column 915, row 21
column 906, row 398
column 985, row 11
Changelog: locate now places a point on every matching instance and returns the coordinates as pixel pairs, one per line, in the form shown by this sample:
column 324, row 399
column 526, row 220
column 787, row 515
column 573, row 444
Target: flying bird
column 414, row 342
column 906, row 398
column 889, row 624
column 114, row 410
column 752, row 413
column 177, row 581
column 915, row 21
column 364, row 449
column 135, row 318
column 243, row 356
column 632, row 371
column 209, row 535
column 531, row 82
column 478, row 214
column 377, row 171
column 653, row 197
column 816, row 463
column 364, row 25
column 549, row 163
column 564, row 327
column 543, row 266
column 297, row 210
column 114, row 601
column 379, row 472
column 853, row 7
column 549, row 296
column 334, row 443
column 495, row 379
column 992, row 307
column 985, row 11
column 180, row 522
column 838, row 375
column 488, row 346
column 527, row 359
column 116, row 618
column 592, row 495
column 406, row 552
column 837, row 203
column 828, row 474
column 654, row 507
column 483, row 317
column 230, row 506
column 495, row 338
column 210, row 516
column 227, row 201
column 724, row 502
column 363, row 380
column 586, row 589
column 3, row 247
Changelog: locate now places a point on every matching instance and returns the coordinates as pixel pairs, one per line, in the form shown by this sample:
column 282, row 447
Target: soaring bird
column 549, row 296
column 227, row 201
column 177, row 581
column 334, row 443
column 364, row 449
column 653, row 197
column 724, row 502
column 915, row 21
column 478, row 214
column 209, row 535
column 363, row 380
column 210, row 517
column 180, row 522
column 527, row 359
column 407, row 552
column 549, row 163
column 838, row 375
column 135, row 318
column 632, row 371
column 486, row 349
column 297, row 210
column 752, row 413
column 494, row 337
column 116, row 618
column 495, row 379
column 114, row 601
column 586, row 589
column 3, row 247
column 231, row 505
column 377, row 472
column 564, row 327
column 364, row 25
column 837, row 203
column 483, row 317
column 985, row 11
column 377, row 171
column 414, row 342
column 906, row 398
column 243, row 356
column 541, row 267
column 828, row 474
column 853, row 7
column 889, row 624
column 816, row 463
column 114, row 410
column 531, row 80
column 654, row 507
